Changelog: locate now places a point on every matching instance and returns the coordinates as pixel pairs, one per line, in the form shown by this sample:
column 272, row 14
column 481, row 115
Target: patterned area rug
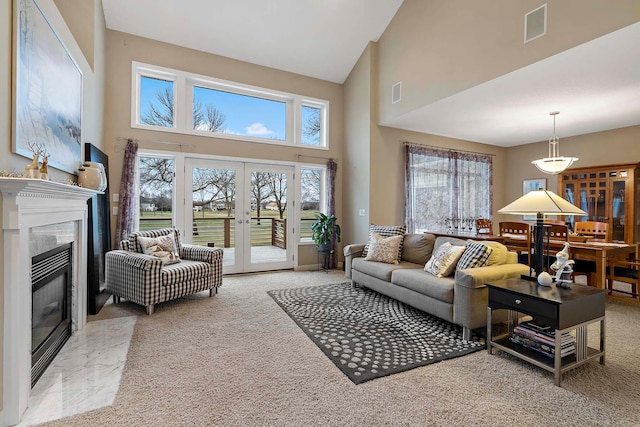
column 368, row 335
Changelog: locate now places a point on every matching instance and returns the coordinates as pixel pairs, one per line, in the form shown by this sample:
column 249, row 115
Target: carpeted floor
column 238, row 360
column 368, row 335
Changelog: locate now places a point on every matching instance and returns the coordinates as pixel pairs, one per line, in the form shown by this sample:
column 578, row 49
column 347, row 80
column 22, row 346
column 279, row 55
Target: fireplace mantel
column 29, row 203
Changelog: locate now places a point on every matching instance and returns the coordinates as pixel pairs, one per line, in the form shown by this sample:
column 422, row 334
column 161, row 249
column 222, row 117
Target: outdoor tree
column 259, row 189
column 277, row 183
column 311, row 127
column 310, row 184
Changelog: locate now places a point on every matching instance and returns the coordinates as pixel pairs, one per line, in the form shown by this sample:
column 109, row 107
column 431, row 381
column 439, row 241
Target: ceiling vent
column 396, row 92
column 535, row 23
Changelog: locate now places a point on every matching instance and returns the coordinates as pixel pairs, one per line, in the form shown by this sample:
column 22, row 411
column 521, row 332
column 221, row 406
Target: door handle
column 239, row 221
column 248, row 221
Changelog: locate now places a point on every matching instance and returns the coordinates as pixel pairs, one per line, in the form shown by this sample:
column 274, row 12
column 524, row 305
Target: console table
column 563, row 310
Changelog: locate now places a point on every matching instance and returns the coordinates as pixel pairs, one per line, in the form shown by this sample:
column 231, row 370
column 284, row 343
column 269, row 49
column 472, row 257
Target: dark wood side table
column 563, row 310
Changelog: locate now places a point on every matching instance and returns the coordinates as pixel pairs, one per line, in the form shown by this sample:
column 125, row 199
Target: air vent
column 396, row 92
column 535, row 23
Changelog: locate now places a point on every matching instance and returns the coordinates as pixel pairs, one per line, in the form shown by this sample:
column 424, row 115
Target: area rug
column 368, row 335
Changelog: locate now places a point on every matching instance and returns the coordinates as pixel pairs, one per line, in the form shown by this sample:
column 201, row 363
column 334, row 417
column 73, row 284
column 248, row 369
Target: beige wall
column 610, row 147
column 357, row 131
column 440, row 47
column 123, row 48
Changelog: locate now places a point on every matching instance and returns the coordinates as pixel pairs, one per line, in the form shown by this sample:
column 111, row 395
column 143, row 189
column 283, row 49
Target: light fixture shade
column 554, row 165
column 541, row 202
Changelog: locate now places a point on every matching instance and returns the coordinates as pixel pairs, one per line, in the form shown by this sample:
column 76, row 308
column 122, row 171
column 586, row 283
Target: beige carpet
column 238, row 360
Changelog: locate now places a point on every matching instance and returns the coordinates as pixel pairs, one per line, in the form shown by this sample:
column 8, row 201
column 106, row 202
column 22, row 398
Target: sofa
column 148, row 280
column 460, row 298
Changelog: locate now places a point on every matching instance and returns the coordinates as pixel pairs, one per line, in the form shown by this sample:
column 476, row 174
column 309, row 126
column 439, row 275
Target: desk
column 601, row 253
column 467, row 235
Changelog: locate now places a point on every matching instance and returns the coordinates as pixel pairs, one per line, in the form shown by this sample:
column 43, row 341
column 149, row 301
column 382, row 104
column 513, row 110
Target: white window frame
column 136, row 84
column 184, row 83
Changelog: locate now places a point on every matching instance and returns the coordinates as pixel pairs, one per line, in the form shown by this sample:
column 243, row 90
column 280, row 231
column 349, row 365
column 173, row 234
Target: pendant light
column 555, row 163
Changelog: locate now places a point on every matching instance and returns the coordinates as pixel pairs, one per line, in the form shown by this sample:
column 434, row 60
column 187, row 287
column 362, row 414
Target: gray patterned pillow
column 386, row 231
column 475, row 255
column 384, row 250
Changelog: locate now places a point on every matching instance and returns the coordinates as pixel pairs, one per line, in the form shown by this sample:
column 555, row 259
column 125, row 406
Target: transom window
column 177, row 101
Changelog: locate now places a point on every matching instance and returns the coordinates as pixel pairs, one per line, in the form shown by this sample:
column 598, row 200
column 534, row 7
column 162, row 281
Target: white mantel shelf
column 30, row 187
column 28, row 203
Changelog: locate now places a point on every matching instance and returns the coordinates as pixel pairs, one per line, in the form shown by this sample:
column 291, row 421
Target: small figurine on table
column 563, row 267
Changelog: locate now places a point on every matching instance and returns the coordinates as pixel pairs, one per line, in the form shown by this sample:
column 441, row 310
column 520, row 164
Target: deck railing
column 265, row 231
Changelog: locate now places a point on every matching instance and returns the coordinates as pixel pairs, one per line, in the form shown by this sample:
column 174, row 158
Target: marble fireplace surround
column 26, row 204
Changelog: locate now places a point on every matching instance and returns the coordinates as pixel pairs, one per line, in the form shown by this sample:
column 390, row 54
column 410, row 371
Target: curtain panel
column 446, row 188
column 129, row 194
column 332, row 169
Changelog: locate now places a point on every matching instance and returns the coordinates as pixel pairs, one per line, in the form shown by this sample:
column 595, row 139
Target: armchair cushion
column 162, row 247
column 135, row 246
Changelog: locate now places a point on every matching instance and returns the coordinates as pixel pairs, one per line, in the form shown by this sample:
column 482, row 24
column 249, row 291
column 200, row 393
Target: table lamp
column 540, row 202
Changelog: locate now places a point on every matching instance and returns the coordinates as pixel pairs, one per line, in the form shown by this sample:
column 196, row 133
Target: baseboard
column 309, row 267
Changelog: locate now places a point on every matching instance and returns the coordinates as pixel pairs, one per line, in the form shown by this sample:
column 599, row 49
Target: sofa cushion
column 381, row 270
column 444, row 260
column 418, row 248
column 454, row 241
column 475, row 255
column 186, row 272
column 440, row 288
column 384, row 249
column 386, row 231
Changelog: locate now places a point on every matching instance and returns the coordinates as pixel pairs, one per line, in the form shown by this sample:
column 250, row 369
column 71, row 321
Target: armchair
column 146, row 280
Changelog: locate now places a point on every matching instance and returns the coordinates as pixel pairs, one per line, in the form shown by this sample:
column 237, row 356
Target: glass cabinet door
column 618, row 210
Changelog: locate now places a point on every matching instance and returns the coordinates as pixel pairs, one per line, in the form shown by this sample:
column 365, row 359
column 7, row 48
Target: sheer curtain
column 128, row 210
column 446, row 188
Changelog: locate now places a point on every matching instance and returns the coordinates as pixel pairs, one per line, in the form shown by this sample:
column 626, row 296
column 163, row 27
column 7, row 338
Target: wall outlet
column 116, row 197
column 361, row 212
column 115, row 211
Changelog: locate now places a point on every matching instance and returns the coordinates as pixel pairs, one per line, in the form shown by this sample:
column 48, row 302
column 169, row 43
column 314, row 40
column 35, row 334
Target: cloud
column 259, row 129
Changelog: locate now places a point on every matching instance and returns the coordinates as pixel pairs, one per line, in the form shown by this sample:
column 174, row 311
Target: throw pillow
column 417, row 248
column 499, row 254
column 162, row 247
column 475, row 255
column 443, row 262
column 384, row 250
column 386, row 231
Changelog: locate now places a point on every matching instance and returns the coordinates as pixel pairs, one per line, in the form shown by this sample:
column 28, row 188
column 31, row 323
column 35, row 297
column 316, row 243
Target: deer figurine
column 44, row 172
column 33, row 170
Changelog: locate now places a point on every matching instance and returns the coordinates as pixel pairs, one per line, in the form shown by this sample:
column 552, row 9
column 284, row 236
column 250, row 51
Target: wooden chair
column 517, row 237
column 597, row 230
column 624, row 271
column 557, row 235
column 484, row 226
column 555, row 221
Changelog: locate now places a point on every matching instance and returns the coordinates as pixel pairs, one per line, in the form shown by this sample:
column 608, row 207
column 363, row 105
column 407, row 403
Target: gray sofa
column 460, row 299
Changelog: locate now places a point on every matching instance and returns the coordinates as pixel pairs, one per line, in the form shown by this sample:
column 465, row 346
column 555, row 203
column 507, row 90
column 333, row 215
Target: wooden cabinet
column 608, row 194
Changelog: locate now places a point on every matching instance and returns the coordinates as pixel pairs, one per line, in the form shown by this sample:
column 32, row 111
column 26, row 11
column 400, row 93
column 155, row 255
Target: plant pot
column 325, row 248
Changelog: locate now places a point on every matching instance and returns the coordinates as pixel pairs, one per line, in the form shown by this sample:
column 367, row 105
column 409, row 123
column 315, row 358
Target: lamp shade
column 541, row 202
column 554, row 165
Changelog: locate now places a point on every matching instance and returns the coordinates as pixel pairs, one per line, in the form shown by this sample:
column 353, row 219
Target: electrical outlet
column 115, row 211
column 116, row 197
column 361, row 212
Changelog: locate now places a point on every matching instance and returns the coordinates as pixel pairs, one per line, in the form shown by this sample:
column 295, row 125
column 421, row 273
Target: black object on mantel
column 98, row 235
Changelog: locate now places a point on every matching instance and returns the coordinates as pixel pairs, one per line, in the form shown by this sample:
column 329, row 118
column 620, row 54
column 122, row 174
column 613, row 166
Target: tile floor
column 86, row 373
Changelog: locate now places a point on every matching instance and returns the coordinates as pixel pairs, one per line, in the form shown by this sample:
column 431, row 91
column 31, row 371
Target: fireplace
column 51, row 306
column 38, row 216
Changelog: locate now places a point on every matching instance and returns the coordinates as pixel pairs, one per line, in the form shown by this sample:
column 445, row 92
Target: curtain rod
column 317, row 157
column 177, row 144
column 413, row 144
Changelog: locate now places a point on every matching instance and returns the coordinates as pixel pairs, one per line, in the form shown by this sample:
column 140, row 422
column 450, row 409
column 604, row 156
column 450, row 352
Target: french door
column 243, row 208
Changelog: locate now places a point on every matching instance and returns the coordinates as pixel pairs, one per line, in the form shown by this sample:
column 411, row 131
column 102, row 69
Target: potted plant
column 323, row 228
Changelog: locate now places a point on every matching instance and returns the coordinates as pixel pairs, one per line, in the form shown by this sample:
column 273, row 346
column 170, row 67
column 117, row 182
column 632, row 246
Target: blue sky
column 245, row 115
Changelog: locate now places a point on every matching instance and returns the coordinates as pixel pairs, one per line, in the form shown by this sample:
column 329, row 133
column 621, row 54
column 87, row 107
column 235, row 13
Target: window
column 237, row 114
column 312, row 190
column 181, row 102
column 446, row 188
column 156, row 192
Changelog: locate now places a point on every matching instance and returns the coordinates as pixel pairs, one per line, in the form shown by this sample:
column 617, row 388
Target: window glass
column 311, row 200
column 236, row 114
column 156, row 102
column 311, row 125
column 156, row 192
column 447, row 189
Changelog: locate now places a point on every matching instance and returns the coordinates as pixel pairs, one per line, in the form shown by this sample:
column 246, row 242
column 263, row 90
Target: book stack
column 540, row 338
